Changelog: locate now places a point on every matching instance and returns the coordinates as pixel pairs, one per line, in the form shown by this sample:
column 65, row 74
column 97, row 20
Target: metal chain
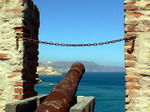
column 77, row 45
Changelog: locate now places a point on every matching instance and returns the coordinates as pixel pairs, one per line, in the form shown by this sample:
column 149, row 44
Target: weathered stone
column 138, row 62
column 4, row 56
column 130, row 7
column 132, row 78
column 4, row 1
column 135, row 14
column 148, row 108
column 130, row 64
column 147, row 22
column 17, row 18
column 133, row 86
column 132, row 22
column 13, row 75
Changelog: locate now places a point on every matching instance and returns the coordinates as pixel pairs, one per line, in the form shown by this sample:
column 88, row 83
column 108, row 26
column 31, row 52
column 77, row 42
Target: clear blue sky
column 82, row 21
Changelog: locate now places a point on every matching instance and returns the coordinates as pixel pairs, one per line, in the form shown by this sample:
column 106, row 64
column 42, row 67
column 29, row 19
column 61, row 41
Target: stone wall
column 137, row 61
column 18, row 58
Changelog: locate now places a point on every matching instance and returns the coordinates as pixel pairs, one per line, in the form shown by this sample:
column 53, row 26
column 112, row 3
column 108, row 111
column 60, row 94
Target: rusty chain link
column 77, row 45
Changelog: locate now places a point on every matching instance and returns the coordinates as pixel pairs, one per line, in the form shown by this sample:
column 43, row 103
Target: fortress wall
column 18, row 58
column 137, row 61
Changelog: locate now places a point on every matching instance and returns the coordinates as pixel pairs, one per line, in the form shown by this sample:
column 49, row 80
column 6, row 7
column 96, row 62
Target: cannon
column 62, row 96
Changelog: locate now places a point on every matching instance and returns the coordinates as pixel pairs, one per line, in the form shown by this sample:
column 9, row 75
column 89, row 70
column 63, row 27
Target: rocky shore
column 47, row 70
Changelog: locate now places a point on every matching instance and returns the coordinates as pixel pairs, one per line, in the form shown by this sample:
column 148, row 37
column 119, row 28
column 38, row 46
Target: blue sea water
column 107, row 87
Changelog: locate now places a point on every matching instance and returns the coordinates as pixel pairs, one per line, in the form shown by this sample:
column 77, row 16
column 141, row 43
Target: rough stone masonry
column 18, row 58
column 137, row 61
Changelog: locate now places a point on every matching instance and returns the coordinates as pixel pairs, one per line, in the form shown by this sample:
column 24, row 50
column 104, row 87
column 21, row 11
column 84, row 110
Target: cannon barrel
column 61, row 97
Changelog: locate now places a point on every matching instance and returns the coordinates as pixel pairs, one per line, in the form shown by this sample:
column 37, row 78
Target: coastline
column 47, row 71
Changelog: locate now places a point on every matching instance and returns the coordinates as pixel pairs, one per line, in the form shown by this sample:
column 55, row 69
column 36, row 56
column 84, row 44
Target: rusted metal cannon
column 61, row 97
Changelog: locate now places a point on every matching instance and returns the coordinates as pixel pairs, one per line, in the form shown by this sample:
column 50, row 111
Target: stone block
column 84, row 104
column 4, row 56
column 130, row 64
column 130, row 7
column 135, row 14
column 132, row 79
column 132, row 86
column 26, row 105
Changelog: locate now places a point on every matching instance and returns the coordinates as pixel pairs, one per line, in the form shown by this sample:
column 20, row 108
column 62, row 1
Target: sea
column 107, row 87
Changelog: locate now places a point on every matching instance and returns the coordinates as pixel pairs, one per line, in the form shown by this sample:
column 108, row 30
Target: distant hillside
column 63, row 66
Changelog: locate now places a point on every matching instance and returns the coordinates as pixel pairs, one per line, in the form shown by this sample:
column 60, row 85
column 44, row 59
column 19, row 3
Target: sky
column 82, row 21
